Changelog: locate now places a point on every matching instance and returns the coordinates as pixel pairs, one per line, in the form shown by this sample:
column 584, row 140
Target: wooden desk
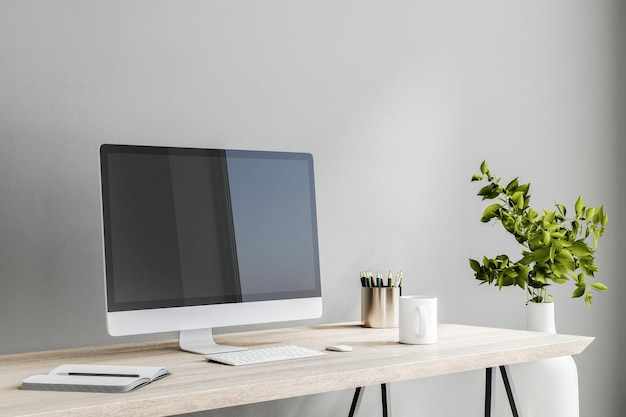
column 197, row 385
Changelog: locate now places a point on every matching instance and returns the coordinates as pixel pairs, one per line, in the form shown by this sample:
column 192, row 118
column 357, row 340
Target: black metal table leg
column 385, row 391
column 490, row 387
column 508, row 386
column 510, row 390
column 386, row 399
column 356, row 401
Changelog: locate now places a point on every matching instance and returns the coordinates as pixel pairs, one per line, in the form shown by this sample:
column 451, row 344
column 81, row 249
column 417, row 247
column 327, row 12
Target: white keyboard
column 273, row 354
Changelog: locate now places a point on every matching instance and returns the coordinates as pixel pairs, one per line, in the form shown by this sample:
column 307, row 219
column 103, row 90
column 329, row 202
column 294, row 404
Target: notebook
column 95, row 378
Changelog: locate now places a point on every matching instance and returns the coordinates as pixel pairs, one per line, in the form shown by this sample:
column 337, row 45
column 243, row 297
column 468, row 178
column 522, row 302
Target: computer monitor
column 201, row 238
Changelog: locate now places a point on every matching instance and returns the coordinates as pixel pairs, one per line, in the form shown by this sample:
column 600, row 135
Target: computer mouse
column 339, row 348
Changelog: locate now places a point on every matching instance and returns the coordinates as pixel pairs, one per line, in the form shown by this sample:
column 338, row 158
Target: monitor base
column 201, row 341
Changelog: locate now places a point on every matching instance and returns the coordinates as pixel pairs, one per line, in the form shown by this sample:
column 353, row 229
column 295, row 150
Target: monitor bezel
column 155, row 319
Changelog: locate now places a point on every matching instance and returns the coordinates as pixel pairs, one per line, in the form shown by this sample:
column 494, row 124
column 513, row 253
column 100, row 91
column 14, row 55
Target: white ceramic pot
column 548, row 387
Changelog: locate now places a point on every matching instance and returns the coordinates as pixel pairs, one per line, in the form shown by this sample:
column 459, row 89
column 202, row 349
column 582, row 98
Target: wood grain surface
column 196, row 384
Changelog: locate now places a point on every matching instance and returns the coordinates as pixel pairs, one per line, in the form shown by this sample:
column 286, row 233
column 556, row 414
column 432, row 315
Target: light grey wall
column 399, row 101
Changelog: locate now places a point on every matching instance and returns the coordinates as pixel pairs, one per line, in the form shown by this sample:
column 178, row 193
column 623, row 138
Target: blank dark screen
column 194, row 226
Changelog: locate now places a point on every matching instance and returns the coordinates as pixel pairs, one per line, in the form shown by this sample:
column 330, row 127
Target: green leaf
column 599, row 215
column 549, row 216
column 568, row 266
column 490, row 212
column 508, row 281
column 580, row 278
column 580, row 249
column 575, row 227
column 484, row 168
column 536, row 299
column 510, row 272
column 502, row 261
column 588, row 298
column 559, row 269
column 475, row 265
column 477, row 177
column 579, row 206
column 486, row 191
column 541, row 255
column 512, row 186
column 565, row 256
column 599, row 286
column 563, row 243
column 518, row 199
column 538, row 283
column 524, row 188
column 578, row 292
column 586, row 267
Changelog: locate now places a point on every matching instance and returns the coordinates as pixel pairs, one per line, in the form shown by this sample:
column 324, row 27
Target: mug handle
column 421, row 312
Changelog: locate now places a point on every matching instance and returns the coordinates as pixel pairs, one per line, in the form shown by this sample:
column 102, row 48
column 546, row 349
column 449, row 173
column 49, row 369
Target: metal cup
column 380, row 306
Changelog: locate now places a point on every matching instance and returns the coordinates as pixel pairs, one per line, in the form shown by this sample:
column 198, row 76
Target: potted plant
column 555, row 246
column 555, row 249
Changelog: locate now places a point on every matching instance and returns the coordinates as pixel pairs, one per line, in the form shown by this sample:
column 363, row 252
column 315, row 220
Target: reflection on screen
column 189, row 226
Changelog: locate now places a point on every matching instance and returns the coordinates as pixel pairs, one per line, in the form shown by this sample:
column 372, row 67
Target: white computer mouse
column 339, row 348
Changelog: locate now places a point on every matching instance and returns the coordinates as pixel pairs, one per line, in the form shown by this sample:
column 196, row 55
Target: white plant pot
column 547, row 387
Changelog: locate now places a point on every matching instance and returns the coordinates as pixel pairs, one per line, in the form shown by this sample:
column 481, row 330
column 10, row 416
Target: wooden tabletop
column 196, row 384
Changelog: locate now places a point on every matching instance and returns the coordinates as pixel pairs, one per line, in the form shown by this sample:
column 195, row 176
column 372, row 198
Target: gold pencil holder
column 380, row 306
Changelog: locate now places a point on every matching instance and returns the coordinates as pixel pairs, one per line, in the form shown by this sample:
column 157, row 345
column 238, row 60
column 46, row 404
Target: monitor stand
column 201, row 341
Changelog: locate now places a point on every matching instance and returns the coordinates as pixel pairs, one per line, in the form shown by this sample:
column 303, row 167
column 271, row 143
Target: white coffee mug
column 418, row 320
